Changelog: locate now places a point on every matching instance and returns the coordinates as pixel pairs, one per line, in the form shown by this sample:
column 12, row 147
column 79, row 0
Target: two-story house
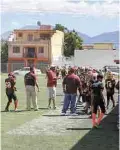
column 34, row 47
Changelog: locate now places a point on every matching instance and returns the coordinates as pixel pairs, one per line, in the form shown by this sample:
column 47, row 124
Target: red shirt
column 72, row 83
column 52, row 79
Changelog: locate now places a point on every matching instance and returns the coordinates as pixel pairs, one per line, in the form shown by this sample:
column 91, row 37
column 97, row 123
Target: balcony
column 26, row 42
column 30, row 55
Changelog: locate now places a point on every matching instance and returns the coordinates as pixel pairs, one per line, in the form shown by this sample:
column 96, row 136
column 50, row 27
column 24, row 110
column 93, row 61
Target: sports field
column 47, row 130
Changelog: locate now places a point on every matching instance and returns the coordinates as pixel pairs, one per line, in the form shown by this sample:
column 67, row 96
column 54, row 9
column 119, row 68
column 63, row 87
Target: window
column 30, row 37
column 20, row 34
column 45, row 36
column 41, row 50
column 16, row 49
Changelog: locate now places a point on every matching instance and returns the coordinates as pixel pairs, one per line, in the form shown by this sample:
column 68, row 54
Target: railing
column 28, row 55
column 35, row 41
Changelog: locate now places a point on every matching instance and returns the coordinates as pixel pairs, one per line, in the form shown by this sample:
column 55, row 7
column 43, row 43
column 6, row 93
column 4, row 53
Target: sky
column 86, row 16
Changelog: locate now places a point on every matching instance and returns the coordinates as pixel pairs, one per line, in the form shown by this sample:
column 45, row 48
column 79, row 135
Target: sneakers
column 16, row 110
column 7, row 110
column 28, row 109
column 36, row 109
column 97, row 126
column 63, row 114
column 74, row 114
column 49, row 107
column 54, row 107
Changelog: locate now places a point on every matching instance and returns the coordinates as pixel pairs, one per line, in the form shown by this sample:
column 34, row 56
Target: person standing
column 10, row 91
column 63, row 72
column 97, row 100
column 118, row 88
column 30, row 82
column 51, row 84
column 71, row 83
column 110, row 89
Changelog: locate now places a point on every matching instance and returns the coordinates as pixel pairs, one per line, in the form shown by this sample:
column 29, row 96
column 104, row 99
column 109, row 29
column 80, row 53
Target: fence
column 17, row 66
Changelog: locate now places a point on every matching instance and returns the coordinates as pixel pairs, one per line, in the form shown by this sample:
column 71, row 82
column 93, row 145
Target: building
column 103, row 46
column 34, row 47
column 87, row 47
column 98, row 46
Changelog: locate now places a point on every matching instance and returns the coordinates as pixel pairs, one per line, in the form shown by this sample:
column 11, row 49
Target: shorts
column 98, row 101
column 11, row 96
column 52, row 92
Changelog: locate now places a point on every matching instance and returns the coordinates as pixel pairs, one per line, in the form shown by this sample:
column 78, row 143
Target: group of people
column 85, row 82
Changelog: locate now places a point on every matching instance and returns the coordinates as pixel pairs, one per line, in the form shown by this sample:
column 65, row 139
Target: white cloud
column 97, row 8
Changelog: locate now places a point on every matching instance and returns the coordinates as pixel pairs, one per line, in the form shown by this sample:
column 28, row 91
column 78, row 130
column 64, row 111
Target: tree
column 59, row 27
column 71, row 40
column 4, row 51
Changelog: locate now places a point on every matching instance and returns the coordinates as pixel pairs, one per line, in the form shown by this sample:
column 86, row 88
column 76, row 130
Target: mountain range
column 112, row 37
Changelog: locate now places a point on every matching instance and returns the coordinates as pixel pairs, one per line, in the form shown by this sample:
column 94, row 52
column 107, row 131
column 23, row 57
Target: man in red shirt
column 71, row 83
column 30, row 82
column 51, row 84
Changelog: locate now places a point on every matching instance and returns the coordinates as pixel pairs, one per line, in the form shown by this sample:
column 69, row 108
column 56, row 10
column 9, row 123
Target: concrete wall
column 94, row 58
column 57, row 42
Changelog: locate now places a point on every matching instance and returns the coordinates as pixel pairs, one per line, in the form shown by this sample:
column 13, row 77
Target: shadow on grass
column 106, row 138
column 25, row 110
column 54, row 115
column 13, row 111
column 43, row 108
column 78, row 129
column 80, row 118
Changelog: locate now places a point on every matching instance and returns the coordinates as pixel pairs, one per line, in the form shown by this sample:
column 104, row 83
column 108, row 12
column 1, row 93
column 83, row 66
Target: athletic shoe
column 16, row 110
column 74, row 114
column 36, row 109
column 63, row 114
column 7, row 110
column 54, row 107
column 97, row 126
column 49, row 107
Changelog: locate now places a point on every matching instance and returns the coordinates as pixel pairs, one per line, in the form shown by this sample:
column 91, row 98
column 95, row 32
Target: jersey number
column 8, row 84
column 109, row 84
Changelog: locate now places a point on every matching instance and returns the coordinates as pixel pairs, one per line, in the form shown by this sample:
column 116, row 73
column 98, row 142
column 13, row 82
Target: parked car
column 25, row 70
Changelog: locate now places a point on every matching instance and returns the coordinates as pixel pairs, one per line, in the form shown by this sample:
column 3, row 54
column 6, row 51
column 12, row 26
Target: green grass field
column 40, row 140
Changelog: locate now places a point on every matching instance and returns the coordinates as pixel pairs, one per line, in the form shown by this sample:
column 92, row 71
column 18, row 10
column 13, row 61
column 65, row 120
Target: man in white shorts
column 51, row 84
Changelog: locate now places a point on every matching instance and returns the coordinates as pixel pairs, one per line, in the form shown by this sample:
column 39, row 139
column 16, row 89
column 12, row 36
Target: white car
column 25, row 70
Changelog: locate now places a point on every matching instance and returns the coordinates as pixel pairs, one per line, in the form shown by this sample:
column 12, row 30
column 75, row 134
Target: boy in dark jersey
column 63, row 72
column 97, row 100
column 10, row 91
column 110, row 89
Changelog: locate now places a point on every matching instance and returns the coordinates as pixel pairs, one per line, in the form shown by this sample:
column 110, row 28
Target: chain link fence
column 5, row 67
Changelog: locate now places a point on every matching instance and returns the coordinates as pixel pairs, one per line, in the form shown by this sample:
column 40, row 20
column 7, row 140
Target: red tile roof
column 45, row 27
